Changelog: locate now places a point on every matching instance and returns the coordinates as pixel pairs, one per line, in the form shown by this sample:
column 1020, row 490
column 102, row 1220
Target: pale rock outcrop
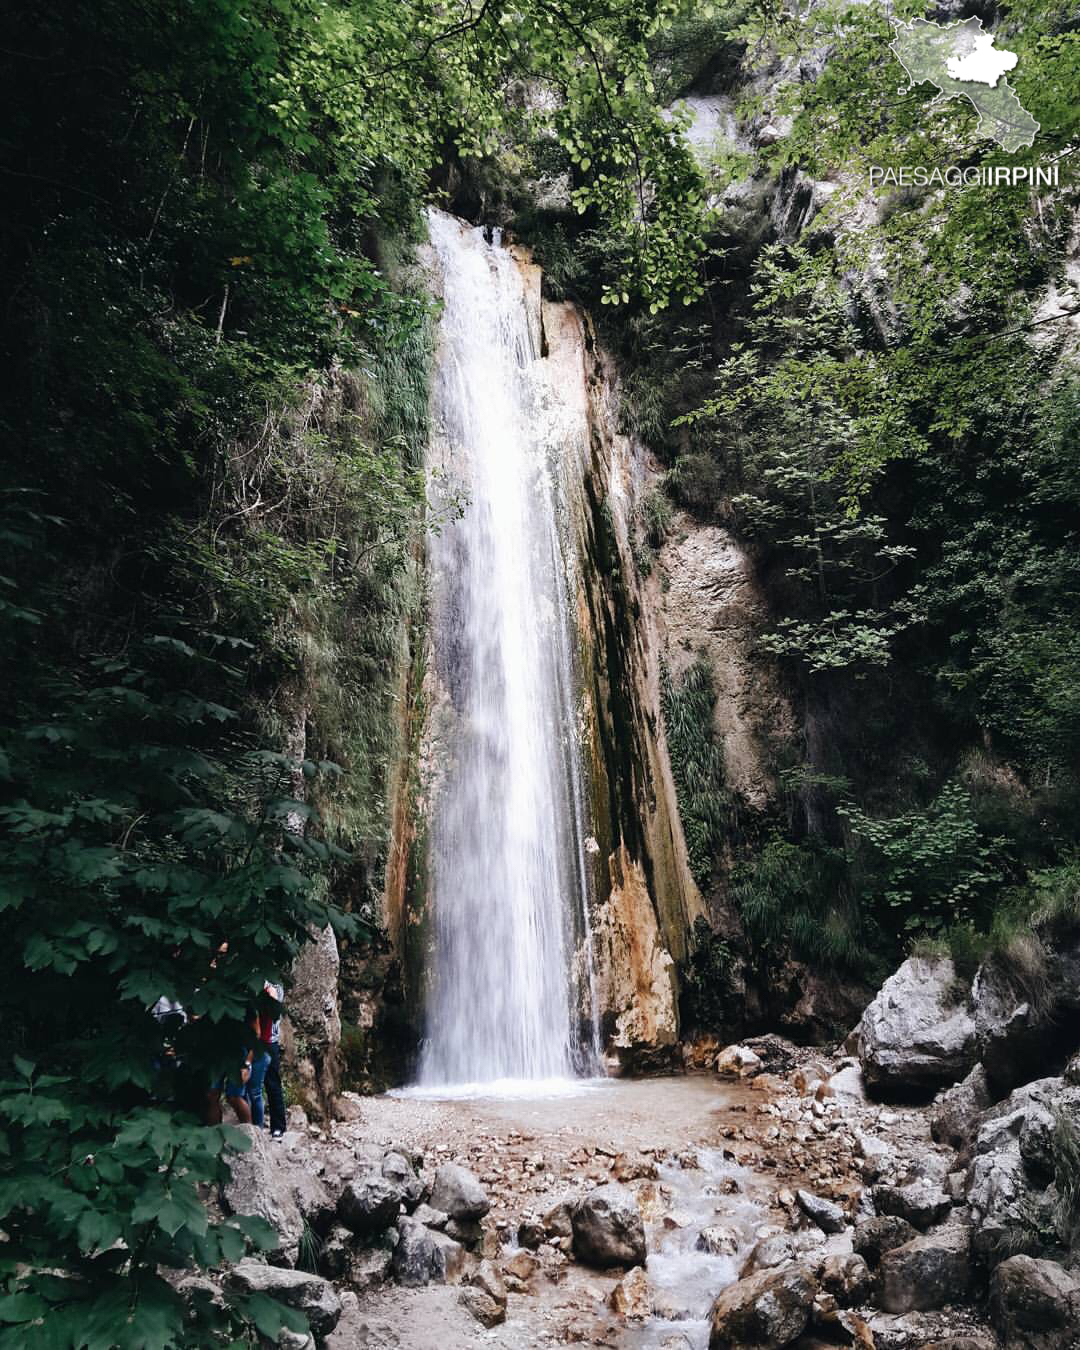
column 955, row 1116
column 917, row 1034
column 311, row 1032
column 635, row 974
column 710, row 605
column 278, row 1185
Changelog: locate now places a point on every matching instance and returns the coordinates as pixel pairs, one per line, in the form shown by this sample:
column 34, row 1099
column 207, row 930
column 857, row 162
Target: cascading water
column 509, row 998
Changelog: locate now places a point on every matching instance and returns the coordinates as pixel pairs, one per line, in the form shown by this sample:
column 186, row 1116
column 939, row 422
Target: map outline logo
column 961, row 61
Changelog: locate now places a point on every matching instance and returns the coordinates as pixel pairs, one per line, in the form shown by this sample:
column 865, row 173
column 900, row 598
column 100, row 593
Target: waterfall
column 510, row 981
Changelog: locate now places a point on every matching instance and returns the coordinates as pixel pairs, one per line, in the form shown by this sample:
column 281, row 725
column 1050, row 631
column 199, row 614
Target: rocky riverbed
column 759, row 1200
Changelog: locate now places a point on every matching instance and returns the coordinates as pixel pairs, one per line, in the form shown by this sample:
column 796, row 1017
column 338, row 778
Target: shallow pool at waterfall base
column 503, row 1089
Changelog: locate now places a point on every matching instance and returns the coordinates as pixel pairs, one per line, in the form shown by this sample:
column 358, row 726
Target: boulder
column 482, row 1306
column 530, row 1235
column 828, row 1215
column 369, row 1268
column 608, row 1228
column 396, row 1168
column 335, row 1253
column 558, row 1221
column 275, row 1184
column 423, row 1256
column 766, row 1310
column 1007, row 1185
column 369, row 1204
column 838, row 1326
column 770, row 1254
column 927, row 1272
column 717, row 1241
column 486, row 1277
column 458, row 1193
column 630, row 1297
column 997, row 1196
column 917, row 1034
column 874, row 1237
column 846, row 1277
column 310, row 1294
column 633, row 1167
column 737, row 1061
column 954, row 1117
column 1035, row 1305
column 921, row 1202
column 430, row 1218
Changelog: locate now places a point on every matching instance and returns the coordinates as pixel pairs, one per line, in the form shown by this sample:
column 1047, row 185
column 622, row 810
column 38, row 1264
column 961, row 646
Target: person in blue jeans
column 270, row 1038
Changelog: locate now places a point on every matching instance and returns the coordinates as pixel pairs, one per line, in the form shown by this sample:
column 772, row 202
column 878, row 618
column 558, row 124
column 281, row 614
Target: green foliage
column 709, row 992
column 139, row 826
column 706, row 806
column 933, row 866
column 1066, row 1155
column 797, row 896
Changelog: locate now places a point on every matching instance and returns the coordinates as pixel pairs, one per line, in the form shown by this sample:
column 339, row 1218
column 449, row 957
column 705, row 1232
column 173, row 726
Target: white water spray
column 509, row 1000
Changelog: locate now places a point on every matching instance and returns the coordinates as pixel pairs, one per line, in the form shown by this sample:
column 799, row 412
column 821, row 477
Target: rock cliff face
column 644, row 900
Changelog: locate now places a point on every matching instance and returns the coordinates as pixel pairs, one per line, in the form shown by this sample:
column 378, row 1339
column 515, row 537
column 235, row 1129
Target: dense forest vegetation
column 217, row 350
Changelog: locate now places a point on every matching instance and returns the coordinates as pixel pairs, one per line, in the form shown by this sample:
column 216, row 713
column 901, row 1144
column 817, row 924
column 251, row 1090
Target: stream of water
column 505, row 1012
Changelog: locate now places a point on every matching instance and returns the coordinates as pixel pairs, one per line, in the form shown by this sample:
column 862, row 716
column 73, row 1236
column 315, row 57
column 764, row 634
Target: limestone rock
column 874, row 1237
column 1035, row 1305
column 770, row 1253
column 630, row 1297
column 633, row 1167
column 846, row 1278
column 927, row 1272
column 921, row 1202
column 458, row 1193
column 272, row 1184
column 310, row 1294
column 608, row 1228
column 828, row 1216
column 520, row 1269
column 486, row 1277
column 314, row 1024
column 717, row 1241
column 430, row 1218
column 369, row 1204
column 954, row 1118
column 369, row 1267
column 423, row 1256
column 916, row 1034
column 737, row 1061
column 558, row 1221
column 530, row 1235
column 767, row 1310
column 482, row 1306
column 398, row 1169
